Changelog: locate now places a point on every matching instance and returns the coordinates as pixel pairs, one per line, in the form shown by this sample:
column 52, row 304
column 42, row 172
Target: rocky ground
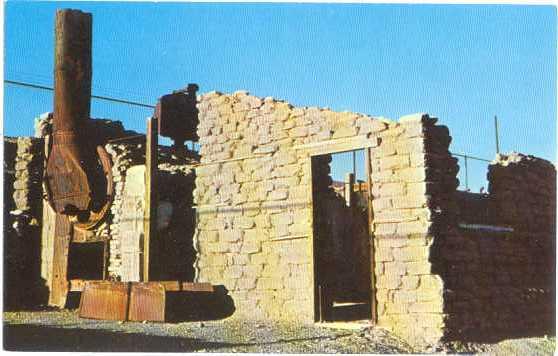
column 64, row 331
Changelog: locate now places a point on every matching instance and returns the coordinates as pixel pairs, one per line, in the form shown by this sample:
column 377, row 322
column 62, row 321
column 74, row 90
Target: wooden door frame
column 318, row 312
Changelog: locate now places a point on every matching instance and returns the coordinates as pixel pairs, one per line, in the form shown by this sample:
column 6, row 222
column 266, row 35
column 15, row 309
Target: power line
column 106, row 98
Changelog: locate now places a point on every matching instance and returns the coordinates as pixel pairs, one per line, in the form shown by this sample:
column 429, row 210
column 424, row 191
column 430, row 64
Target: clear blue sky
column 462, row 64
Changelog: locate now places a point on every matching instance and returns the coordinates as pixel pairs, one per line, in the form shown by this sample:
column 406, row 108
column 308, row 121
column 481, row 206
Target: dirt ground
column 64, row 331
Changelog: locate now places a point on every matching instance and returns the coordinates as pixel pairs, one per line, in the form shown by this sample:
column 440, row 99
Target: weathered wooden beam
column 60, row 286
column 373, row 310
column 150, row 211
column 77, row 285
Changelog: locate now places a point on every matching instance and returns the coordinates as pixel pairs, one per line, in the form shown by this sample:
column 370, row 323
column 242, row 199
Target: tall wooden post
column 373, row 310
column 150, row 212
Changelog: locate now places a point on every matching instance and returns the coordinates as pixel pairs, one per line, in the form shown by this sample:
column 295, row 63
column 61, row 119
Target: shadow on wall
column 23, row 286
column 496, row 255
column 173, row 249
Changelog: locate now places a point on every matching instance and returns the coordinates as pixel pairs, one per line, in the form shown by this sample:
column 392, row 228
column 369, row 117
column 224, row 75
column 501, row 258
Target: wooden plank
column 147, row 302
column 104, row 300
column 339, row 145
column 368, row 162
column 177, row 286
column 150, row 212
column 77, row 285
column 62, row 237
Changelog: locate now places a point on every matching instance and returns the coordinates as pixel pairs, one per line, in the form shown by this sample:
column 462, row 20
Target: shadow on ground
column 47, row 338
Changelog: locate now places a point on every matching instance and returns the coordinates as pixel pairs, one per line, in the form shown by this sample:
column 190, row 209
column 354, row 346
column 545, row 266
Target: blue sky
column 463, row 64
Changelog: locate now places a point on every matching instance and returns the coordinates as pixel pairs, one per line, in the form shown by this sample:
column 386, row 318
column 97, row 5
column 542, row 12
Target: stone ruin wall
column 500, row 282
column 254, row 199
column 254, row 228
column 172, row 251
column 23, row 170
column 31, row 214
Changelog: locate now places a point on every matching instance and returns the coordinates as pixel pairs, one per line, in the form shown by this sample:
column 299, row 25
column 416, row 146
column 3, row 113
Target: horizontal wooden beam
column 77, row 285
column 339, row 145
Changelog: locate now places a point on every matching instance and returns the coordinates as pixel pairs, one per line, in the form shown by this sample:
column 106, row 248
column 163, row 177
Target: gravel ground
column 64, row 331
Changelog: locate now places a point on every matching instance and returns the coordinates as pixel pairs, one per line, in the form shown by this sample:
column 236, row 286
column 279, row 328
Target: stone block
column 410, row 282
column 232, row 272
column 432, row 281
column 394, row 269
column 380, row 204
column 244, row 222
column 394, row 162
column 404, row 297
column 283, row 218
column 230, row 235
column 409, row 201
column 391, row 189
column 299, row 131
column 410, row 145
column 426, row 307
column 396, row 308
column 247, row 283
column 278, row 194
column 249, row 247
column 389, row 282
column 208, row 236
column 265, row 283
column 262, row 221
column 344, row 131
column 419, row 268
column 383, row 254
column 411, row 253
column 412, row 227
column 412, row 174
column 385, row 229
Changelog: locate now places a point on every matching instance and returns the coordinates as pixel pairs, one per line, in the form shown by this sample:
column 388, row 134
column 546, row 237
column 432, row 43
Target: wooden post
column 349, row 189
column 368, row 162
column 62, row 237
column 150, row 212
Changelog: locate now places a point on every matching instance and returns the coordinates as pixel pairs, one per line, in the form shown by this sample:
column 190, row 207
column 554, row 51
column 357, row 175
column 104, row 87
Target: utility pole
column 496, row 133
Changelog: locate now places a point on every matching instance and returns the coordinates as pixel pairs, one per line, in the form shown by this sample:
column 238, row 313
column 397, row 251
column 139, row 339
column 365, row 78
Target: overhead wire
column 100, row 97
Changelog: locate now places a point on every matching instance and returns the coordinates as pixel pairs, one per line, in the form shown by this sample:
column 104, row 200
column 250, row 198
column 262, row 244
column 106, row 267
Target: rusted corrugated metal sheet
column 147, row 302
column 104, row 300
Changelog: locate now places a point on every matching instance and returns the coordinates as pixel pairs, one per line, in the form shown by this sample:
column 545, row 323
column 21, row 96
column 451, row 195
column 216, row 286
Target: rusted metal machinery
column 78, row 168
column 78, row 180
column 178, row 116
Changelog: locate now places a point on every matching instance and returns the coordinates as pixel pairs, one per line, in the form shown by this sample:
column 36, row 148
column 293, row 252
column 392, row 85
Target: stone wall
column 405, row 173
column 255, row 218
column 23, row 170
column 172, row 252
column 123, row 227
column 496, row 252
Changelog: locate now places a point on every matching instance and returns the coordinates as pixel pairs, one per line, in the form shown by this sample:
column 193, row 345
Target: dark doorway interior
column 342, row 238
column 86, row 261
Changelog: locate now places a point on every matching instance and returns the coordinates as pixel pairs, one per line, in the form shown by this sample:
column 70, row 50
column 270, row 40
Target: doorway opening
column 86, row 261
column 342, row 260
